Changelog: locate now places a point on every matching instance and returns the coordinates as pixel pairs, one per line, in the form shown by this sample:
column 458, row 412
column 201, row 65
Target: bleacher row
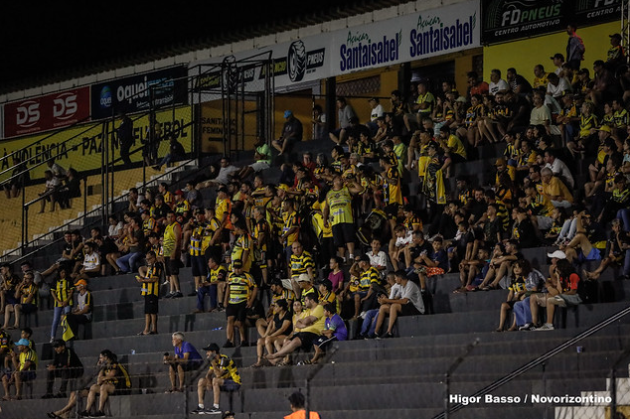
column 401, row 377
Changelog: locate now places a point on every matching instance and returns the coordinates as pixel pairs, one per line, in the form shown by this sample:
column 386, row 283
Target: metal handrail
column 540, row 360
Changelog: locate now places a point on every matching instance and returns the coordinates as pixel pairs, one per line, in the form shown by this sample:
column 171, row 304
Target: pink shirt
column 336, row 279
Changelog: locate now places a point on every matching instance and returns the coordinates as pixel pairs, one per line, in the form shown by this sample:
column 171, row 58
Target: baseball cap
column 287, row 113
column 558, row 254
column 500, row 162
column 212, row 347
column 222, row 189
column 228, row 414
column 557, row 55
column 237, row 263
column 615, row 35
column 81, row 282
column 179, row 192
column 23, row 342
column 304, row 278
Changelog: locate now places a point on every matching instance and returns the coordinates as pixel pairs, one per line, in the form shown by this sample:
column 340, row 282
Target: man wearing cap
column 292, row 132
column 82, row 311
column 616, row 55
column 305, row 287
column 65, row 365
column 222, row 375
column 240, row 296
column 558, row 60
column 25, row 365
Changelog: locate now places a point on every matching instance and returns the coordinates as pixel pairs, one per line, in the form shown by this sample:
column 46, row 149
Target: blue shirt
column 187, row 347
column 337, row 325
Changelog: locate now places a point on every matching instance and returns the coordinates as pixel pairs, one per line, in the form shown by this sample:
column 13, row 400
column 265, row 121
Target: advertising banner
column 47, row 112
column 506, row 20
column 81, row 147
column 398, row 40
column 133, row 94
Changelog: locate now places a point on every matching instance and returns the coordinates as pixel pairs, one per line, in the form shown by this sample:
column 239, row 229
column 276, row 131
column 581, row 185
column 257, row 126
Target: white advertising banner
column 398, row 40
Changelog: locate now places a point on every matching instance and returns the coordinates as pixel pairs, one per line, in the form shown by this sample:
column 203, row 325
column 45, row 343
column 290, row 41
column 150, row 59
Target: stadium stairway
column 375, row 378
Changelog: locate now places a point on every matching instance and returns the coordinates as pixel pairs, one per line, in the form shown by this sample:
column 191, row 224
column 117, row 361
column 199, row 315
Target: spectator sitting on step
column 26, row 297
column 334, row 330
column 49, row 194
column 91, row 263
column 223, row 176
column 306, row 330
column 70, row 189
column 175, row 153
column 567, row 286
column 618, row 244
column 292, row 132
column 588, row 242
column 409, row 303
column 222, row 375
column 25, row 369
column 186, row 358
column 500, row 264
column 277, row 330
column 112, row 376
column 427, row 266
column 524, row 282
column 66, row 366
column 82, row 311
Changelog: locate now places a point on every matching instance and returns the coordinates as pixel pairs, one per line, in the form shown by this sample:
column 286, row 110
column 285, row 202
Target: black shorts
column 172, row 266
column 92, row 274
column 307, row 339
column 28, row 308
column 343, row 233
column 239, row 311
column 151, row 304
column 230, row 385
column 189, row 366
column 409, row 310
column 323, row 342
column 199, row 266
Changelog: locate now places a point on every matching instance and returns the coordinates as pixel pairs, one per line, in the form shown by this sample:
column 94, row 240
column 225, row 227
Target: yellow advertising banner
column 81, row 147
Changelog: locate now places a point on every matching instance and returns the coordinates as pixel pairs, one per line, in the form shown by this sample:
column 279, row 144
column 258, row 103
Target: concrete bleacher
column 401, row 377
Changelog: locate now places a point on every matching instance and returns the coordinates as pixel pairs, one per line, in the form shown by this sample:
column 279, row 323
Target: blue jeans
column 57, row 313
column 624, row 214
column 210, row 290
column 127, row 263
column 369, row 323
column 522, row 312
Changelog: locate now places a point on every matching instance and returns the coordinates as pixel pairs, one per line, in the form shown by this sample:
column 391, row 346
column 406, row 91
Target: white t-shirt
column 377, row 112
column 379, row 259
column 411, row 292
column 499, row 86
column 91, row 261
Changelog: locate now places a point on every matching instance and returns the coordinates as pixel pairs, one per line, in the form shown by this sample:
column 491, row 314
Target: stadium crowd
column 347, row 241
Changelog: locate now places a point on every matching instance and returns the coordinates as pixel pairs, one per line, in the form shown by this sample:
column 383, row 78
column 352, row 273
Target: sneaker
column 526, row 326
column 192, row 294
column 363, row 314
column 177, row 294
column 84, row 414
column 388, row 335
column 199, row 411
column 213, row 411
column 228, row 344
column 169, row 295
column 377, row 336
column 99, row 414
column 545, row 327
